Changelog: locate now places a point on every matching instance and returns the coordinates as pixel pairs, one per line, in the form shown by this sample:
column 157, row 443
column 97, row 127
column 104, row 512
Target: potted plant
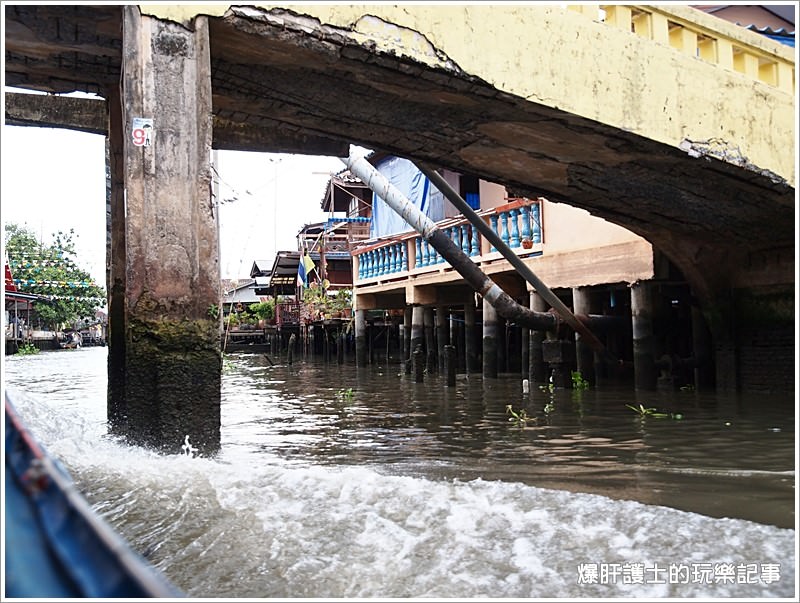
column 342, row 302
column 264, row 312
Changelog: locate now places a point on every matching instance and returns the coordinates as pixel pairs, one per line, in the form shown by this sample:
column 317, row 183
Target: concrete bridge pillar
column 643, row 340
column 537, row 369
column 165, row 362
column 489, row 341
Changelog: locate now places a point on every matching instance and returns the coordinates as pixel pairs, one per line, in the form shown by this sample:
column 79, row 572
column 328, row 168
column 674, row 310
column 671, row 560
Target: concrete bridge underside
column 544, row 101
column 285, row 82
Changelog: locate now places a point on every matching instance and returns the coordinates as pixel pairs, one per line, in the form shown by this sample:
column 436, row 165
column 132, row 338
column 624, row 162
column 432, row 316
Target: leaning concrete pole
column 172, row 363
column 563, row 311
column 452, row 253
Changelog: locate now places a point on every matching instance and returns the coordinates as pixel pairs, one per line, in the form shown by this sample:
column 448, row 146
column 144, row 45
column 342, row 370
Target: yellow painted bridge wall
column 681, row 75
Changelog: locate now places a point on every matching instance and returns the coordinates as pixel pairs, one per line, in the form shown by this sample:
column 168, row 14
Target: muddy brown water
column 338, row 482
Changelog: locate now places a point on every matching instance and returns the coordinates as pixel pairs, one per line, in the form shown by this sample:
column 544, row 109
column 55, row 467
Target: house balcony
column 518, row 224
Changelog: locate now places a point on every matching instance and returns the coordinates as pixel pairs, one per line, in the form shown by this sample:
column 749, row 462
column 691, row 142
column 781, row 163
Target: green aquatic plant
column 521, row 418
column 578, row 382
column 345, row 394
column 653, row 412
column 27, row 349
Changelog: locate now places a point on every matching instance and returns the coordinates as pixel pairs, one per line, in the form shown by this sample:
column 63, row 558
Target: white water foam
column 272, row 530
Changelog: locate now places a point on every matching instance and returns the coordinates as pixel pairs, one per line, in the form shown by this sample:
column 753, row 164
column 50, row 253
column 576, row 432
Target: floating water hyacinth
column 188, row 449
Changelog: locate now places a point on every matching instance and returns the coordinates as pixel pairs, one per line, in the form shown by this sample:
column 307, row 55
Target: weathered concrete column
column 470, row 342
column 537, row 369
column 361, row 338
column 441, row 334
column 489, row 341
column 582, row 304
column 417, row 328
column 172, row 358
column 643, row 341
column 430, row 342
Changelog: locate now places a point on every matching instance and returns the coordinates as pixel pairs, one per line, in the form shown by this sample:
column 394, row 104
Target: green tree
column 51, row 271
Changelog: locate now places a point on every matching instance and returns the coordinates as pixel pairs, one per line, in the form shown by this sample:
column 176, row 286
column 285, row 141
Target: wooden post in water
column 290, row 349
column 525, row 349
column 430, row 342
column 470, row 337
column 417, row 328
column 361, row 338
column 408, row 312
column 441, row 334
column 500, row 334
column 165, row 381
column 450, row 364
column 419, row 364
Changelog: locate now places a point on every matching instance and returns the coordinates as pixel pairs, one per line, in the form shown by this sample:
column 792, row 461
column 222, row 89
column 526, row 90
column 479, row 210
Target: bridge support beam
column 167, row 378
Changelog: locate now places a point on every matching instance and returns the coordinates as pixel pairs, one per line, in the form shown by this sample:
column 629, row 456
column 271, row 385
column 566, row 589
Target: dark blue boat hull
column 56, row 546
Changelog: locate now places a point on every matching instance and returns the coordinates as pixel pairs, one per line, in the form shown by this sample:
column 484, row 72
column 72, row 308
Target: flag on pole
column 9, row 284
column 304, row 269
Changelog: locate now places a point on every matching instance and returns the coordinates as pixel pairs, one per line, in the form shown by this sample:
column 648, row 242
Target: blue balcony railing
column 517, row 223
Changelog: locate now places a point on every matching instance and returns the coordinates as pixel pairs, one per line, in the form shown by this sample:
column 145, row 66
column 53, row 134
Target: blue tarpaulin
column 405, row 176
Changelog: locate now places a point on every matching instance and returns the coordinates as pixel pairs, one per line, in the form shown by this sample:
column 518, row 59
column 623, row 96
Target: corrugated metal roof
column 779, row 35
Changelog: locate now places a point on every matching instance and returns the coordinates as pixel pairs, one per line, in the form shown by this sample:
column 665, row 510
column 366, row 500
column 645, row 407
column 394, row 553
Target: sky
column 54, row 179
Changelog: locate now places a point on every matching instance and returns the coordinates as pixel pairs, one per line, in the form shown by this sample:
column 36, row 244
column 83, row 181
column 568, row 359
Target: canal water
column 337, row 482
